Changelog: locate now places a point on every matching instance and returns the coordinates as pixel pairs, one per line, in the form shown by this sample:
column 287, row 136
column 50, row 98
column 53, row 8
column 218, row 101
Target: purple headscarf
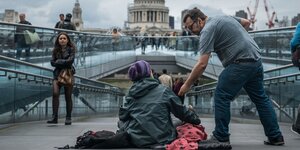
column 139, row 70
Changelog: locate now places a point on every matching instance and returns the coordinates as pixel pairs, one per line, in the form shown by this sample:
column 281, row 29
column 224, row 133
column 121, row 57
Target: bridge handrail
column 279, row 68
column 194, row 92
column 47, row 28
column 274, row 29
column 47, row 69
column 79, row 85
column 205, row 85
column 48, row 80
column 283, row 76
column 267, row 71
column 57, row 29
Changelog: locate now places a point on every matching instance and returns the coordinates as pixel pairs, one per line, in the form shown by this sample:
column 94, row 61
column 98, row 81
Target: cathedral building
column 144, row 16
column 148, row 16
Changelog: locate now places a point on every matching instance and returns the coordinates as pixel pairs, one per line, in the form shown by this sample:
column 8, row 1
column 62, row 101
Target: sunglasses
column 190, row 27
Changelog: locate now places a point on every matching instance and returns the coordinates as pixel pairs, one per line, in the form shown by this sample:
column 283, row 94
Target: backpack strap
column 61, row 24
column 63, row 147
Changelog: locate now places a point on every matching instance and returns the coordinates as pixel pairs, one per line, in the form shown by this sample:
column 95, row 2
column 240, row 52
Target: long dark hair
column 57, row 47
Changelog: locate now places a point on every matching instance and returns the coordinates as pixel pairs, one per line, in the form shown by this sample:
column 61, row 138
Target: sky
column 108, row 13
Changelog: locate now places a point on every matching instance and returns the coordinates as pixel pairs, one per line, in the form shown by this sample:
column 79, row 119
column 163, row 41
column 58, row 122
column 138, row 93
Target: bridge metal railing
column 26, row 93
column 96, row 54
column 274, row 43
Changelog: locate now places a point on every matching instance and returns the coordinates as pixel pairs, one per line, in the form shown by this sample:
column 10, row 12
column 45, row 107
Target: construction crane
column 253, row 14
column 270, row 22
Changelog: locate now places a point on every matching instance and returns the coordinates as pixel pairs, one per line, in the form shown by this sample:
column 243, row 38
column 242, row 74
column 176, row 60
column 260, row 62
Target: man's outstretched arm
column 196, row 72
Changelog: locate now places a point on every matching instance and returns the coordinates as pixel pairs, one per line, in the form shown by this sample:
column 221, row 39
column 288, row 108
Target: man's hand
column 245, row 23
column 184, row 88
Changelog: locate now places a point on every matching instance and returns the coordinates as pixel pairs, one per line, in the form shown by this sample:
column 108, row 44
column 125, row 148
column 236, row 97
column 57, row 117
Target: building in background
column 284, row 22
column 1, row 16
column 295, row 20
column 78, row 21
column 148, row 16
column 10, row 15
column 171, row 22
column 183, row 13
column 77, row 16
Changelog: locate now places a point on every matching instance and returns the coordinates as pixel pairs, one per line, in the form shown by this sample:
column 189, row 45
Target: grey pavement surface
column 245, row 135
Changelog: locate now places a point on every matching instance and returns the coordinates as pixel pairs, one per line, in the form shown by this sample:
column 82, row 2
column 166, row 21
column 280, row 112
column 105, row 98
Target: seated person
column 146, row 114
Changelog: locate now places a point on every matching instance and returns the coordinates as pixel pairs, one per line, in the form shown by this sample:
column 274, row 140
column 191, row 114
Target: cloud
column 209, row 11
column 108, row 13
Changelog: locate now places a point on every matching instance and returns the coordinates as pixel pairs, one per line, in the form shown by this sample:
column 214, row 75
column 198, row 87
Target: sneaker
column 275, row 141
column 295, row 130
column 68, row 121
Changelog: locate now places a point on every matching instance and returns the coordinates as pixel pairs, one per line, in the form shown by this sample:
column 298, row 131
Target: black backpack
column 101, row 140
column 296, row 57
column 90, row 138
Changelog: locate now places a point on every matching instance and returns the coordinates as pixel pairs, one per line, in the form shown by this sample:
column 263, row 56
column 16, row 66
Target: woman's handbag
column 66, row 77
column 31, row 37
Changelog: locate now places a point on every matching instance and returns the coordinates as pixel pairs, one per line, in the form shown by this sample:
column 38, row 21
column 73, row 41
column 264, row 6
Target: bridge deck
column 39, row 135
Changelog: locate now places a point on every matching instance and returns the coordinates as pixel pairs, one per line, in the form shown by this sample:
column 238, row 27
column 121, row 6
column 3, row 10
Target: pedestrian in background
column 67, row 24
column 177, row 85
column 155, row 75
column 19, row 38
column 166, row 79
column 115, row 39
column 144, row 43
column 61, row 20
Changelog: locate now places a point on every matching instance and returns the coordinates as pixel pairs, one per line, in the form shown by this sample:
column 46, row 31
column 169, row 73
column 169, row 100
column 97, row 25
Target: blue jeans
column 19, row 49
column 247, row 75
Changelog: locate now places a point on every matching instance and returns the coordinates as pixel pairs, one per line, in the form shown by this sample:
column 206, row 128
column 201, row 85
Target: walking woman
column 62, row 58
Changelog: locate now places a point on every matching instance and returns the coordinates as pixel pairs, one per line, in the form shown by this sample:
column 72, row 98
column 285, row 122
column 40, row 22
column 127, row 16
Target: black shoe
column 214, row 144
column 295, row 130
column 53, row 120
column 68, row 121
column 275, row 141
column 213, row 139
